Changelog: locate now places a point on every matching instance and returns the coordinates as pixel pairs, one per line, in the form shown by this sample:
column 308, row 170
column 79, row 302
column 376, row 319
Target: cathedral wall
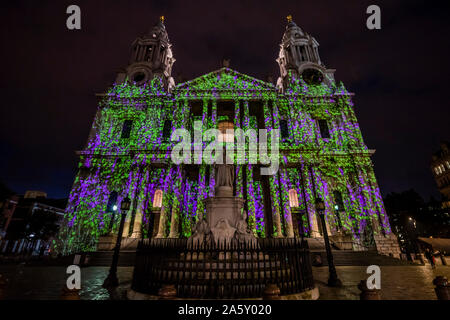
column 315, row 161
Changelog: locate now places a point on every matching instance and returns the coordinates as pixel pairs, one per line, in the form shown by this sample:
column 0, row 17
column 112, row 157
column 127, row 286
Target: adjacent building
column 440, row 166
column 32, row 215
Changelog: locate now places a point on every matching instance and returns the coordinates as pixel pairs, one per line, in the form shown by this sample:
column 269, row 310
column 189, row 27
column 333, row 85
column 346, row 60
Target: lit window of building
column 157, row 199
column 293, row 198
column 224, row 136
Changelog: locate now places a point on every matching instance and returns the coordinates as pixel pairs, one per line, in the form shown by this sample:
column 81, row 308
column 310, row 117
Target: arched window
column 223, row 127
column 338, row 203
column 157, row 199
column 112, row 202
column 293, row 198
column 126, row 129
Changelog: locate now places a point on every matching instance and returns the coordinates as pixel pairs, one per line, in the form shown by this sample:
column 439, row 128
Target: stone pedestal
column 228, row 208
column 225, row 220
column 137, row 232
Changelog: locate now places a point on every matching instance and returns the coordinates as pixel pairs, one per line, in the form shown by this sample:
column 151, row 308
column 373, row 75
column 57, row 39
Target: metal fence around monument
column 222, row 270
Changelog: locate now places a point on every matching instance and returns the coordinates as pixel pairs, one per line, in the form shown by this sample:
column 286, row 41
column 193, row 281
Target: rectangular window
column 126, row 129
column 323, row 127
column 284, row 129
column 166, row 130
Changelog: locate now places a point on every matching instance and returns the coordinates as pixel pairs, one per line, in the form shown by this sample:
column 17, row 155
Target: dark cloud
column 50, row 74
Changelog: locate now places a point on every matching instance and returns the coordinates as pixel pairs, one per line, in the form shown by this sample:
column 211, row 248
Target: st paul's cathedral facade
column 322, row 155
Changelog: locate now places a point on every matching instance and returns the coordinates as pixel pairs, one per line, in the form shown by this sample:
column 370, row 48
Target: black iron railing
column 224, row 270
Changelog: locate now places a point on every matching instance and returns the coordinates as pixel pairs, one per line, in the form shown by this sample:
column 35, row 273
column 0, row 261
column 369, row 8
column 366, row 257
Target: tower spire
column 298, row 51
column 151, row 57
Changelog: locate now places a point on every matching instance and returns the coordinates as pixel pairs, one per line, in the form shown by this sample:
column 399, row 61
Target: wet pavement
column 46, row 282
column 397, row 282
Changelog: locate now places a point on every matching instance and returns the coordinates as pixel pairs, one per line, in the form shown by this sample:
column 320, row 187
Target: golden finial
column 289, row 18
column 161, row 18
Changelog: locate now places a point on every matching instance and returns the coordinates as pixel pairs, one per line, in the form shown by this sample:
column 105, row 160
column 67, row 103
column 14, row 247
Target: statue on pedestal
column 243, row 234
column 223, row 232
column 224, row 175
column 201, row 232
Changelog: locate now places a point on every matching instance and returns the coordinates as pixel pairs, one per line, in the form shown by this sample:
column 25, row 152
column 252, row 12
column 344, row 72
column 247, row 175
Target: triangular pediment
column 225, row 79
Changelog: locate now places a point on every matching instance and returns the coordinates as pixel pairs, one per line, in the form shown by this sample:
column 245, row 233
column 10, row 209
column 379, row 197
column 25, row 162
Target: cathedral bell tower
column 299, row 55
column 151, row 56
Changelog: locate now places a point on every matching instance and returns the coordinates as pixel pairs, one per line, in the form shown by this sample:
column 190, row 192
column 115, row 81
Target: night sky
column 50, row 74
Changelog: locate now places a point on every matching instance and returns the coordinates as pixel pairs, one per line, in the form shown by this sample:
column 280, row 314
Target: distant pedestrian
column 41, row 251
column 430, row 257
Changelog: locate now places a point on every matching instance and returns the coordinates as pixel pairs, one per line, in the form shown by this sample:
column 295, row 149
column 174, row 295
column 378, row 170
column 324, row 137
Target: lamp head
column 125, row 205
column 320, row 205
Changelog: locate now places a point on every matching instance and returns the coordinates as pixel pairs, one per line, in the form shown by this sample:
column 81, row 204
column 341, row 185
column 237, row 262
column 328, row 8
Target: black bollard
column 3, row 285
column 271, row 292
column 368, row 294
column 69, row 294
column 444, row 262
column 442, row 288
column 167, row 292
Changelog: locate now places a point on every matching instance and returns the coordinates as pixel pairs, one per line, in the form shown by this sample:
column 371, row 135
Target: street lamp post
column 413, row 235
column 111, row 280
column 113, row 216
column 333, row 280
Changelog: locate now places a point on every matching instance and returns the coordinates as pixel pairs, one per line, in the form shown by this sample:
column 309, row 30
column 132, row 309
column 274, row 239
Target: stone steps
column 341, row 258
column 104, row 258
column 360, row 258
column 316, row 246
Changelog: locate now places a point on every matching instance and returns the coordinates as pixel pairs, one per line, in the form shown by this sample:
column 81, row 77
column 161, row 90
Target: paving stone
column 46, row 282
column 397, row 282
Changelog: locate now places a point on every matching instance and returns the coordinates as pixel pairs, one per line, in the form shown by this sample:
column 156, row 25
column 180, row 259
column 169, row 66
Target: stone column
column 137, row 205
column 283, row 196
column 142, row 51
column 201, row 195
column 163, row 215
column 126, row 226
column 315, row 193
column 137, row 232
column 238, row 173
column 275, row 206
column 212, row 171
column 175, row 218
column 309, row 196
column 251, row 201
column 162, row 223
column 287, row 209
column 268, row 122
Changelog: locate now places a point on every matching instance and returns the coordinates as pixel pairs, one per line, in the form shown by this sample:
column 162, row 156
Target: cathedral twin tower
column 322, row 154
